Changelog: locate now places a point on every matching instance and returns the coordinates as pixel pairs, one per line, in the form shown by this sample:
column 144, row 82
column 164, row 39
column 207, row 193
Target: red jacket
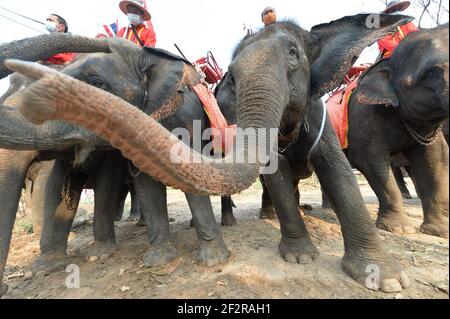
column 61, row 58
column 146, row 34
column 388, row 45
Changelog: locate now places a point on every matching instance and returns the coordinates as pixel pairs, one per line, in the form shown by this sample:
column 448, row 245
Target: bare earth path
column 255, row 269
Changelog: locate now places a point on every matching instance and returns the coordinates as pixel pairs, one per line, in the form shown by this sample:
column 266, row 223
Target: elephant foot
column 101, row 250
column 160, row 254
column 435, row 229
column 50, row 262
column 375, row 271
column 396, row 225
column 298, row 250
column 267, row 213
column 141, row 222
column 213, row 252
column 3, row 289
column 134, row 217
column 228, row 220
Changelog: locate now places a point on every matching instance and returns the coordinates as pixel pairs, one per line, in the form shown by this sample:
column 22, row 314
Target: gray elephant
column 274, row 75
column 403, row 112
column 155, row 83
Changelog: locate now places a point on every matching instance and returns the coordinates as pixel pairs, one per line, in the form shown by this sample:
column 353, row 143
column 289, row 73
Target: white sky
column 195, row 25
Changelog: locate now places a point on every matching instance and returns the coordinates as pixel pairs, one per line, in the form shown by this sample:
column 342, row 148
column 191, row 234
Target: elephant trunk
column 144, row 141
column 16, row 133
column 45, row 46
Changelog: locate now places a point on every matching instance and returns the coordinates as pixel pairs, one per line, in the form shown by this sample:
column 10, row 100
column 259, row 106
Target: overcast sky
column 195, row 25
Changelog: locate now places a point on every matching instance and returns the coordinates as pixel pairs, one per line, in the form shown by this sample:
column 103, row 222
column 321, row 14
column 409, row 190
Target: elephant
column 155, row 78
column 275, row 76
column 403, row 113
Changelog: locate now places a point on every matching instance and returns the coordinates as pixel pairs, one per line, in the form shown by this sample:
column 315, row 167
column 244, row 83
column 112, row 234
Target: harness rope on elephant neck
column 424, row 141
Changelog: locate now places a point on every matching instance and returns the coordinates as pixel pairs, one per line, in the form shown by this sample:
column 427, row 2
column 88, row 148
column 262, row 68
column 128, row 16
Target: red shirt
column 388, row 45
column 61, row 58
column 146, row 34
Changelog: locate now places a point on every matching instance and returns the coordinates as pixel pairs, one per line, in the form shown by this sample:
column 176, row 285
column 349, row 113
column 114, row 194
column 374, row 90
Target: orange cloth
column 337, row 108
column 388, row 44
column 146, row 34
column 61, row 58
column 221, row 131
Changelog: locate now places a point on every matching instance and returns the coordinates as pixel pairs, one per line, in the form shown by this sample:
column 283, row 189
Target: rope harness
column 421, row 140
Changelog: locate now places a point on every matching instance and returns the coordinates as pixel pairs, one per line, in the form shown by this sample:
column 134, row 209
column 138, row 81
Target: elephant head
column 151, row 79
column 414, row 79
column 274, row 75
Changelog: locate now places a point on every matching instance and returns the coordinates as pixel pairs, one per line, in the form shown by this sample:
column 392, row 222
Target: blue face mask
column 135, row 19
column 51, row 27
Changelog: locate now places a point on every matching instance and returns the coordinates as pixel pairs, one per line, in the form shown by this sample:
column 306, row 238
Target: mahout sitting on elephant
column 274, row 76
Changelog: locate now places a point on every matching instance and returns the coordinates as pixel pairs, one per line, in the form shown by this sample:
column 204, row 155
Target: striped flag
column 111, row 29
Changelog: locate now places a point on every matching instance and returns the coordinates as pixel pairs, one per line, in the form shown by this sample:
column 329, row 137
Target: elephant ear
column 375, row 86
column 336, row 46
column 164, row 74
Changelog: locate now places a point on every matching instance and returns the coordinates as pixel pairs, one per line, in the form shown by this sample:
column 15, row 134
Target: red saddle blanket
column 222, row 133
column 337, row 104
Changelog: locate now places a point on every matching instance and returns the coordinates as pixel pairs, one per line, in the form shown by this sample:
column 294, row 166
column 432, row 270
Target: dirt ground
column 255, row 269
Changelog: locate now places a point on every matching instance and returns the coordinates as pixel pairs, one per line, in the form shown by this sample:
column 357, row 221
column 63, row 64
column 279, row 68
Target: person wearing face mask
column 388, row 44
column 57, row 24
column 140, row 30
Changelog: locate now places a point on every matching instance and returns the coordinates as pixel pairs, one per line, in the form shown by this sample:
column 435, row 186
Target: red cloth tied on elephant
column 337, row 105
column 223, row 135
column 388, row 44
column 61, row 58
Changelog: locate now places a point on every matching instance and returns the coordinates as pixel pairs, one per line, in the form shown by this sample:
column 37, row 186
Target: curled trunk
column 140, row 138
column 45, row 46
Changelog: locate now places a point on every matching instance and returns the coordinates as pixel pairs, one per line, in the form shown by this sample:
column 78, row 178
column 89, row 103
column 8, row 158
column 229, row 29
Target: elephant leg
column 377, row 170
column 267, row 209
column 400, row 179
column 108, row 181
column 228, row 218
column 122, row 199
column 135, row 212
column 38, row 205
column 59, row 194
column 28, row 195
column 326, row 201
column 152, row 196
column 296, row 245
column 365, row 259
column 429, row 169
column 213, row 249
column 12, row 177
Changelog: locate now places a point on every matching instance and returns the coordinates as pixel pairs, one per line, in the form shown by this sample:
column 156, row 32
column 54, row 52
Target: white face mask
column 135, row 19
column 51, row 27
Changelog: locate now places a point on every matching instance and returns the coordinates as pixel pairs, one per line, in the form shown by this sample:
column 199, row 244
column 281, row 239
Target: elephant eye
column 97, row 83
column 293, row 52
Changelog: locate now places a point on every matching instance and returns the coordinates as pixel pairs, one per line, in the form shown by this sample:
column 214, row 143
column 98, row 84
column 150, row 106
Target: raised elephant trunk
column 144, row 141
column 45, row 46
